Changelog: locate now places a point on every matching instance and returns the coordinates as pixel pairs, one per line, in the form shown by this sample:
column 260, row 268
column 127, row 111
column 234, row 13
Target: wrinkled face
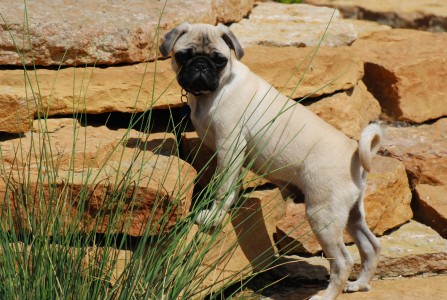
column 201, row 56
column 200, row 59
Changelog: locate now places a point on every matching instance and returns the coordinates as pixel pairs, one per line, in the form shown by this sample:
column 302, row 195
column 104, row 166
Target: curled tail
column 369, row 144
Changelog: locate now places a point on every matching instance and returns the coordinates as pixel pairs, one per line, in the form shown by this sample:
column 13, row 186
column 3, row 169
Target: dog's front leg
column 230, row 158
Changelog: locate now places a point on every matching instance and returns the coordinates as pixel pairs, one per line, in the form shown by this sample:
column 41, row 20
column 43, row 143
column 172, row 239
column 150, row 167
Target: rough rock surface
column 365, row 28
column 18, row 109
column 431, row 207
column 203, row 160
column 297, row 73
column 84, row 165
column 419, row 14
column 128, row 89
column 246, row 242
column 387, row 205
column 414, row 288
column 412, row 249
column 102, row 32
column 298, row 25
column 405, row 71
column 349, row 111
column 230, row 11
column 423, row 150
column 139, row 87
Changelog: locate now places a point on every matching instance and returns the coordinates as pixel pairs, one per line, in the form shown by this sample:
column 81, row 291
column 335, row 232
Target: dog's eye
column 220, row 60
column 184, row 55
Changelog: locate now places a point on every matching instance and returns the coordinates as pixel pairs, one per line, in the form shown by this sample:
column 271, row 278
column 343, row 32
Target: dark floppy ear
column 171, row 37
column 231, row 40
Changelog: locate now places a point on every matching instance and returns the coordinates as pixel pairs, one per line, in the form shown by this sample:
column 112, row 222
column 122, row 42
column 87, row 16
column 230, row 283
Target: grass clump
column 72, row 222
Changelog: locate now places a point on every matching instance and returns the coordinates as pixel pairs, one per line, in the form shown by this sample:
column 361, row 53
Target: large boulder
column 93, row 179
column 419, row 14
column 423, row 150
column 402, row 71
column 100, row 33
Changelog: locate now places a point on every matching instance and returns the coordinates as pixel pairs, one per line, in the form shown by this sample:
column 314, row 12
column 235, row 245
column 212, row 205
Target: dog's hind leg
column 328, row 224
column 368, row 245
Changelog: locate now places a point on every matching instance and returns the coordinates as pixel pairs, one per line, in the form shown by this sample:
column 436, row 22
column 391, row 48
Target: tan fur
column 247, row 121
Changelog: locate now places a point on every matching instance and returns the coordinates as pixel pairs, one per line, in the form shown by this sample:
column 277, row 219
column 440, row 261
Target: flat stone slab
column 413, row 249
column 419, row 14
column 298, row 25
column 106, row 32
column 140, row 87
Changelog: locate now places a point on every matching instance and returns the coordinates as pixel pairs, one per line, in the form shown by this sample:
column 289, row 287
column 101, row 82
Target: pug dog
column 248, row 122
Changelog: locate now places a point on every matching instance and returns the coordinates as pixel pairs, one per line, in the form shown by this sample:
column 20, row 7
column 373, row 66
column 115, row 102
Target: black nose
column 201, row 66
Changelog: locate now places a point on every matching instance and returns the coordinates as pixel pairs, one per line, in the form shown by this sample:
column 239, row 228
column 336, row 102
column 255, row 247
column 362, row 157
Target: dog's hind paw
column 209, row 217
column 354, row 286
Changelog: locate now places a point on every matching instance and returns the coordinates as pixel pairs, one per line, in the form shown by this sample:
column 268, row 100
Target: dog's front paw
column 355, row 286
column 210, row 217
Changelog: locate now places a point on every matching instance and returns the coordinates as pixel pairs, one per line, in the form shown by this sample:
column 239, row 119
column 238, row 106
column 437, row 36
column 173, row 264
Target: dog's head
column 201, row 55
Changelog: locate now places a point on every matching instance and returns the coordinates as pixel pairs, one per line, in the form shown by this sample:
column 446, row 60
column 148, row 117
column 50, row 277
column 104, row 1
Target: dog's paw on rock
column 354, row 286
column 210, row 217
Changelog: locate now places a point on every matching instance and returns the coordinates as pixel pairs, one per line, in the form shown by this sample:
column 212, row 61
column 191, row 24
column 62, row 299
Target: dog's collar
column 184, row 97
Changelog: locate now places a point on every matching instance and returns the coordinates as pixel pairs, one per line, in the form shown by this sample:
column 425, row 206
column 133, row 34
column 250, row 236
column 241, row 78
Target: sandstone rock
column 298, row 25
column 297, row 73
column 230, row 11
column 431, row 207
column 294, row 232
column 388, row 195
column 203, row 160
column 413, row 288
column 113, row 262
column 245, row 244
column 135, row 88
column 422, row 149
column 365, row 28
column 140, row 87
column 349, row 111
column 387, row 205
column 93, row 177
column 420, row 14
column 413, row 249
column 102, row 32
column 408, row 87
column 17, row 110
